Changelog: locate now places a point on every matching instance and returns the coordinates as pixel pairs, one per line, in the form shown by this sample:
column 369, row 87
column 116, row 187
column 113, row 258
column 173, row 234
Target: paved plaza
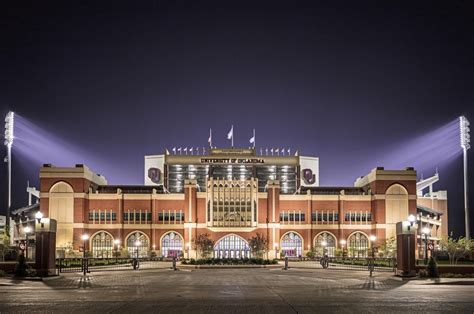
column 298, row 290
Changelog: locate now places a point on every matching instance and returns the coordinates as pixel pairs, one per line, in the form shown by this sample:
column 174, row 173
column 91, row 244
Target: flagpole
column 232, row 136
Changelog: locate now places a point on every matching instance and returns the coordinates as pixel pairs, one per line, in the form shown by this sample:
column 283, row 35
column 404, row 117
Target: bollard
column 174, row 262
column 286, row 262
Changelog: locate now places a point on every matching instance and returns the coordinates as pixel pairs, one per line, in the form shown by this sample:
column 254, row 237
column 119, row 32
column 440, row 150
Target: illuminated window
column 102, row 245
column 231, row 246
column 172, row 245
column 291, row 245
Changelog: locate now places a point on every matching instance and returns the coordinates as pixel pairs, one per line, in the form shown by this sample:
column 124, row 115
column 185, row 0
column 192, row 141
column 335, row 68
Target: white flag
column 271, row 151
column 179, row 150
column 282, row 151
column 277, row 151
column 252, row 139
column 230, row 135
column 191, row 150
column 266, row 151
column 174, row 150
column 289, row 152
column 210, row 138
column 185, row 150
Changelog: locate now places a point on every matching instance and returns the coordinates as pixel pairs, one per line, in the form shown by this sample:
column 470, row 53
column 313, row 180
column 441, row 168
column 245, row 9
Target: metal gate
column 73, row 265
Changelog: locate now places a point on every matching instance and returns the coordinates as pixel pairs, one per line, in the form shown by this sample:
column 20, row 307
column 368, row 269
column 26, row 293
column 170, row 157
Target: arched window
column 61, row 208
column 231, row 246
column 325, row 242
column 137, row 244
column 358, row 245
column 172, row 245
column 102, row 245
column 291, row 245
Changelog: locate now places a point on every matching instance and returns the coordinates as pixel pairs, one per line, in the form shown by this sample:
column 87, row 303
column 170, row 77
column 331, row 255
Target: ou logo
column 155, row 175
column 308, row 176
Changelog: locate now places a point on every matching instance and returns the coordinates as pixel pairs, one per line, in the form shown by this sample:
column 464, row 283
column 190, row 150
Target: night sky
column 359, row 84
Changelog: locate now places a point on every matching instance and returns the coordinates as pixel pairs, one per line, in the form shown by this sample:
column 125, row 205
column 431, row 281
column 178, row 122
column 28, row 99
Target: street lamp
column 117, row 245
column 137, row 244
column 27, row 230
column 39, row 216
column 411, row 220
column 343, row 243
column 9, row 136
column 465, row 144
column 84, row 238
column 324, row 244
column 373, row 238
column 426, row 232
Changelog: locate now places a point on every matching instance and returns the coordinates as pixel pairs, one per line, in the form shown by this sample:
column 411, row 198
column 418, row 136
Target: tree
column 258, row 245
column 456, row 249
column 5, row 247
column 204, row 245
column 389, row 248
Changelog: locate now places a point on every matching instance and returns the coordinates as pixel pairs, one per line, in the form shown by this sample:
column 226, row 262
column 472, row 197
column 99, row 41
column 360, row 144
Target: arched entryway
column 231, row 246
column 138, row 244
column 358, row 244
column 102, row 244
column 172, row 245
column 291, row 244
column 325, row 241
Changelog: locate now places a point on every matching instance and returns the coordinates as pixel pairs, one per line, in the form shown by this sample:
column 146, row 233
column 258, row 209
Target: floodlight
column 9, row 123
column 465, row 136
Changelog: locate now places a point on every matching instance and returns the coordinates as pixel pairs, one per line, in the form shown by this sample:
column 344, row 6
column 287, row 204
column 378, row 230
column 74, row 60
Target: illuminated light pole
column 84, row 238
column 343, row 243
column 117, row 246
column 426, row 232
column 27, row 230
column 465, row 144
column 373, row 238
column 9, row 136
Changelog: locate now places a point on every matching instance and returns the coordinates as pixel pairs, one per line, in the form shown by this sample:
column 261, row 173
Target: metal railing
column 71, row 265
column 369, row 263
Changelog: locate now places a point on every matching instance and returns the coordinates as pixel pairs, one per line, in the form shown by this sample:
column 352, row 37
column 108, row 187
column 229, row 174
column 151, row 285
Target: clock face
column 154, row 174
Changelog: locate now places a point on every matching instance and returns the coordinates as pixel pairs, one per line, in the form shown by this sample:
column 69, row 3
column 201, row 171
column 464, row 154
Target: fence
column 71, row 265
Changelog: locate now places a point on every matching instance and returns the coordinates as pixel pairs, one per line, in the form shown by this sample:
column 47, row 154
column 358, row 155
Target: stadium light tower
column 465, row 144
column 9, row 136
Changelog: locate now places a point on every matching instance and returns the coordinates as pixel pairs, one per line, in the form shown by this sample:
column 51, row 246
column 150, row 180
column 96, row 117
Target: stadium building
column 231, row 195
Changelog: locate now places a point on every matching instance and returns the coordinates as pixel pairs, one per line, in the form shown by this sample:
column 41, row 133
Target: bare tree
column 204, row 245
column 258, row 245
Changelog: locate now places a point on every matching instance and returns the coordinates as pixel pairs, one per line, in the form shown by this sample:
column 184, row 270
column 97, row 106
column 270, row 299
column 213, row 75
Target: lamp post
column 373, row 238
column 426, row 232
column 275, row 245
column 137, row 245
column 465, row 144
column 27, row 231
column 188, row 246
column 324, row 244
column 39, row 216
column 9, row 136
column 117, row 245
column 84, row 238
column 343, row 243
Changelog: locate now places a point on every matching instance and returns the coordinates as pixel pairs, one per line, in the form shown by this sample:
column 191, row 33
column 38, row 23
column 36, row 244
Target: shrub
column 432, row 268
column 423, row 273
column 20, row 268
column 310, row 254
